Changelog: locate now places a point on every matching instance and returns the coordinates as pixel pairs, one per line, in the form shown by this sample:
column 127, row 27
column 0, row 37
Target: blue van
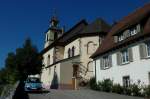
column 33, row 84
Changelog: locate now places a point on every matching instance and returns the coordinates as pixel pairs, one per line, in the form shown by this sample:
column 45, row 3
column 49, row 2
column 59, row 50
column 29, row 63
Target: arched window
column 90, row 47
column 48, row 60
column 69, row 53
column 90, row 66
column 73, row 51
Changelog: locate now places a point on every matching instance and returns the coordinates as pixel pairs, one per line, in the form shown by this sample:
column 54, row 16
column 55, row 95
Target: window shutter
column 130, row 54
column 142, row 49
column 118, row 58
column 102, row 63
column 138, row 28
column 110, row 60
column 116, row 39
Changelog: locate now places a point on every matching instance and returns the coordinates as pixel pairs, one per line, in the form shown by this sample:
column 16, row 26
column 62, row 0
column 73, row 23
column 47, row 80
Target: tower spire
column 54, row 20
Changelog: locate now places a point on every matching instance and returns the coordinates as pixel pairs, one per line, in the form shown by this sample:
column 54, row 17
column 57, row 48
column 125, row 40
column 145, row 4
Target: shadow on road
column 39, row 92
column 20, row 93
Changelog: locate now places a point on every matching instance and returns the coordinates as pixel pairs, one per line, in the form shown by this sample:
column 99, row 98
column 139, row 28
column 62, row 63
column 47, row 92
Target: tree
column 11, row 72
column 28, row 60
column 25, row 61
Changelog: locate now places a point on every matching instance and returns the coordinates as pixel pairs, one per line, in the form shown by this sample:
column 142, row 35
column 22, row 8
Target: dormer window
column 127, row 33
column 133, row 31
column 120, row 37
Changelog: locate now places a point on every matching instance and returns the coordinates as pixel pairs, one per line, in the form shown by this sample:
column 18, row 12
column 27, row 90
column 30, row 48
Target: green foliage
column 106, row 85
column 1, row 89
column 25, row 61
column 93, row 84
column 147, row 91
column 116, row 88
column 99, row 86
column 28, row 60
column 127, row 90
column 135, row 90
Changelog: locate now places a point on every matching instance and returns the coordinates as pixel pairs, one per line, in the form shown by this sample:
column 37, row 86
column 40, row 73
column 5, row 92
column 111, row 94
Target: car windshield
column 33, row 80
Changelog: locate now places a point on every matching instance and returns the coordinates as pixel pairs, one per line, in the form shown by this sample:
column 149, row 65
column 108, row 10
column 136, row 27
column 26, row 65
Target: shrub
column 147, row 91
column 116, row 88
column 99, row 86
column 106, row 85
column 93, row 84
column 135, row 90
column 82, row 83
column 1, row 89
column 127, row 90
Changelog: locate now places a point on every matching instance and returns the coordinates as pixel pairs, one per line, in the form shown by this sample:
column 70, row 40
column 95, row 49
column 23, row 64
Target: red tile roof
column 134, row 18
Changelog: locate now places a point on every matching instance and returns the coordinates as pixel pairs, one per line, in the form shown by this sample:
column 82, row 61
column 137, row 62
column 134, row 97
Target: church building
column 66, row 54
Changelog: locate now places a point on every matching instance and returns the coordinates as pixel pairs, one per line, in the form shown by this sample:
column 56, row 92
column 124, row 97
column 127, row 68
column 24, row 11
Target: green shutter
column 130, row 54
column 138, row 27
column 118, row 58
column 102, row 63
column 142, row 49
column 110, row 60
column 116, row 39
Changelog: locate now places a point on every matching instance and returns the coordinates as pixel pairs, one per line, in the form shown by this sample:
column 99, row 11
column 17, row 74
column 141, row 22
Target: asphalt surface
column 66, row 94
column 78, row 94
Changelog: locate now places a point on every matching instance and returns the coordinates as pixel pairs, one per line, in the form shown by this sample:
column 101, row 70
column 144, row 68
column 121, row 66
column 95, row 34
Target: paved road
column 78, row 94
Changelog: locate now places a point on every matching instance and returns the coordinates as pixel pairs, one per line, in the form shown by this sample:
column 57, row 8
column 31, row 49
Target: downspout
column 95, row 71
column 80, row 46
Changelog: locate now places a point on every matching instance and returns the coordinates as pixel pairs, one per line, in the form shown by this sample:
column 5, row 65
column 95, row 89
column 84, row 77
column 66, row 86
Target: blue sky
column 20, row 19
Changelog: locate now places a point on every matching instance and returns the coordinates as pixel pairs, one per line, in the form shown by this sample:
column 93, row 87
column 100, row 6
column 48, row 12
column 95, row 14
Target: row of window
column 125, row 56
column 128, row 33
column 71, row 53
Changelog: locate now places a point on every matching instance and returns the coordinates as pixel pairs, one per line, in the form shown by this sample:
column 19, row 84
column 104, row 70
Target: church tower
column 53, row 32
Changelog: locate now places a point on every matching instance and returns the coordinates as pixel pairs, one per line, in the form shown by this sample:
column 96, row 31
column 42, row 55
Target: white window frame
column 120, row 37
column 133, row 31
column 125, row 56
column 106, row 61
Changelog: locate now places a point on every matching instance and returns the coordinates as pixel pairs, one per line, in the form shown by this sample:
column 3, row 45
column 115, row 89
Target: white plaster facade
column 138, row 70
column 76, row 44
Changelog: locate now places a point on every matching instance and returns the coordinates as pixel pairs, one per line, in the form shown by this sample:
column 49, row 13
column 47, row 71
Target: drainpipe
column 95, row 69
